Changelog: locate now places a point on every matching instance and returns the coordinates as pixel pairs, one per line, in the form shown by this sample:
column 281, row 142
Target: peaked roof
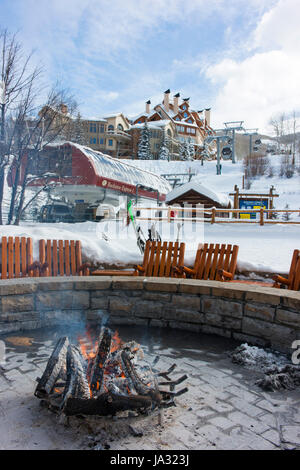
column 198, row 187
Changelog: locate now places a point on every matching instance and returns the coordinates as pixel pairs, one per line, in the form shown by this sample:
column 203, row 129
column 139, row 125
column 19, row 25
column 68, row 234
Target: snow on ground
column 265, row 248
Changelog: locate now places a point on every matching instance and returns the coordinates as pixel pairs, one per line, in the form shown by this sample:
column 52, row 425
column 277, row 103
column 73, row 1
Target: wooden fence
column 182, row 214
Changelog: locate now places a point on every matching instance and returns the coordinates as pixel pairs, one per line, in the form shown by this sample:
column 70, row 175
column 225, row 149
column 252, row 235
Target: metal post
column 233, row 145
column 218, row 157
column 250, row 146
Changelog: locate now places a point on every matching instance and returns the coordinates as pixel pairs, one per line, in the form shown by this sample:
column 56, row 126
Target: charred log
column 100, row 359
column 77, row 384
column 55, row 366
column 107, row 404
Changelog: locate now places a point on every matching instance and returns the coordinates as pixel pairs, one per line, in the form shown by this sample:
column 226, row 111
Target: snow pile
column 279, row 373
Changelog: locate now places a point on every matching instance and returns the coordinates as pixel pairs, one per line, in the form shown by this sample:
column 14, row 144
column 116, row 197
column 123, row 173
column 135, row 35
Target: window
column 190, row 120
column 169, row 132
column 110, row 142
column 101, row 128
column 185, row 115
column 101, row 141
column 120, row 127
column 93, row 127
column 111, row 127
column 193, row 131
column 94, row 140
column 91, row 140
column 188, row 129
column 184, row 106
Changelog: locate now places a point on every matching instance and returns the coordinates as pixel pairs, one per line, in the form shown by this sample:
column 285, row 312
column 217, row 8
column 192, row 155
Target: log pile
column 106, row 382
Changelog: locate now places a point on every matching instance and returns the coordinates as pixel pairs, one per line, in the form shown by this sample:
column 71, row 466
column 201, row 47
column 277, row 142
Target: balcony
column 118, row 135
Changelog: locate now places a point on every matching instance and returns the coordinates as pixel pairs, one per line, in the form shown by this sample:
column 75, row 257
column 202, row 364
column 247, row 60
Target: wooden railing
column 210, row 215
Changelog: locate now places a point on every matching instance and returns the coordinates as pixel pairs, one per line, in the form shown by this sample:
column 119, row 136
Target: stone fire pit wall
column 253, row 314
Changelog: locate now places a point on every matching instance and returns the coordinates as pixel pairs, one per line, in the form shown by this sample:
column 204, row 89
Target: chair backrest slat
column 212, row 258
column 161, row 257
column 294, row 274
column 17, row 257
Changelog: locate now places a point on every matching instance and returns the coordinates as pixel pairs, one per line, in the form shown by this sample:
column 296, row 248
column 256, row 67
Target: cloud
column 267, row 81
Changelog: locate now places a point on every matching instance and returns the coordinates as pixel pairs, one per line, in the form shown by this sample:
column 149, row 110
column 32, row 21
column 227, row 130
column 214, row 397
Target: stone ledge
column 263, row 314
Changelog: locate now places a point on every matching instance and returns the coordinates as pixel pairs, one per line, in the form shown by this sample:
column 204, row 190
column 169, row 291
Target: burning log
column 105, row 381
column 53, row 369
column 100, row 359
column 77, row 384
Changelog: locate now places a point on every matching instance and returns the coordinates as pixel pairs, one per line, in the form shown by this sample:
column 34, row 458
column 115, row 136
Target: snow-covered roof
column 123, row 171
column 197, row 186
column 151, row 124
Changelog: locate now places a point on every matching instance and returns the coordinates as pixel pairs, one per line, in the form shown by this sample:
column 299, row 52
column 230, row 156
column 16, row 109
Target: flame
column 88, row 349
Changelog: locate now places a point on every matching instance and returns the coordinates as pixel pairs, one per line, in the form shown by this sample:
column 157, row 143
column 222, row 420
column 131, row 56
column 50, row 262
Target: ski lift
column 226, row 153
column 257, row 142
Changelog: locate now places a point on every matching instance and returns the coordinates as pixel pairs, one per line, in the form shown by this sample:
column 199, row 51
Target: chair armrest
column 280, row 280
column 187, row 270
column 139, row 268
column 225, row 275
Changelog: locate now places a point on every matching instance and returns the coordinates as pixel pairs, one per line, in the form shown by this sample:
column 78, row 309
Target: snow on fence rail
column 210, row 215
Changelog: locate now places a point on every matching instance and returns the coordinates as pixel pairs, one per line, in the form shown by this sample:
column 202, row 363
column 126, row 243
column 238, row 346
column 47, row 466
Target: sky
column 241, row 58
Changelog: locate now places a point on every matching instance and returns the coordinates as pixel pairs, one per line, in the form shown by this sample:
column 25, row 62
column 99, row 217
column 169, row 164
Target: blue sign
column 252, row 204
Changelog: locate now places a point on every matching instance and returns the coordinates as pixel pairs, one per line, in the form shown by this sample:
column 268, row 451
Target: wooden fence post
column 261, row 216
column 213, row 215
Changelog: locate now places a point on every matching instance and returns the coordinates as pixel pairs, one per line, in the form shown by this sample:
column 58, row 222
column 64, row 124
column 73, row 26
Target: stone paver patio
column 223, row 408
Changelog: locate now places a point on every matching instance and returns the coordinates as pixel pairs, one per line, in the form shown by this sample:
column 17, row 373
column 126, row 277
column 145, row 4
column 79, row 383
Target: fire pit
column 105, row 378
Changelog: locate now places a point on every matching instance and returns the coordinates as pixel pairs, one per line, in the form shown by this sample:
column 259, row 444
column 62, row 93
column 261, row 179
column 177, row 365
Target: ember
column 104, row 379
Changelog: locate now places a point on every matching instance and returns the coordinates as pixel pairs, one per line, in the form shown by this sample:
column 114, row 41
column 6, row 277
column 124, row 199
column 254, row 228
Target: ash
column 279, row 373
column 258, row 359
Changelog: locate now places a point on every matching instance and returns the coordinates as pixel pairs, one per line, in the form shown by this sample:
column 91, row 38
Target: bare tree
column 29, row 136
column 17, row 78
column 278, row 124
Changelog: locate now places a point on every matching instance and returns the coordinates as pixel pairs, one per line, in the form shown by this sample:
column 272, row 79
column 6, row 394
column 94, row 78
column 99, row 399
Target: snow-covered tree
column 77, row 132
column 185, row 151
column 144, row 152
column 164, row 152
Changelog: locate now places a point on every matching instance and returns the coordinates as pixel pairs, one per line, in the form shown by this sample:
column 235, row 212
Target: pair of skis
column 140, row 238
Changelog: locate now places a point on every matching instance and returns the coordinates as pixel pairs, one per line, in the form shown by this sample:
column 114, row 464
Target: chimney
column 166, row 100
column 176, row 104
column 148, row 106
column 207, row 116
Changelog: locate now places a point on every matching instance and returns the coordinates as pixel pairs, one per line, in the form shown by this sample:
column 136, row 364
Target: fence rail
column 210, row 215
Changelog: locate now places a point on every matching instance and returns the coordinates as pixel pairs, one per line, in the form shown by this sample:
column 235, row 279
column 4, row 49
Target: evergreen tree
column 164, row 152
column 78, row 134
column 144, row 144
column 185, row 151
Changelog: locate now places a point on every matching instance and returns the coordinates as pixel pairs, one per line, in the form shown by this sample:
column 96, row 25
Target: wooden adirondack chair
column 16, row 257
column 213, row 262
column 60, row 258
column 161, row 259
column 293, row 280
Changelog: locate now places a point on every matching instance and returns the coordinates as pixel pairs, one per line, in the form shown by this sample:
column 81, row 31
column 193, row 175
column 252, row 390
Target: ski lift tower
column 233, row 126
column 218, row 139
column 251, row 133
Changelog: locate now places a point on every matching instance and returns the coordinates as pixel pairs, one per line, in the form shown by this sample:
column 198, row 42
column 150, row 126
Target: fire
column 88, row 347
column 116, row 342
